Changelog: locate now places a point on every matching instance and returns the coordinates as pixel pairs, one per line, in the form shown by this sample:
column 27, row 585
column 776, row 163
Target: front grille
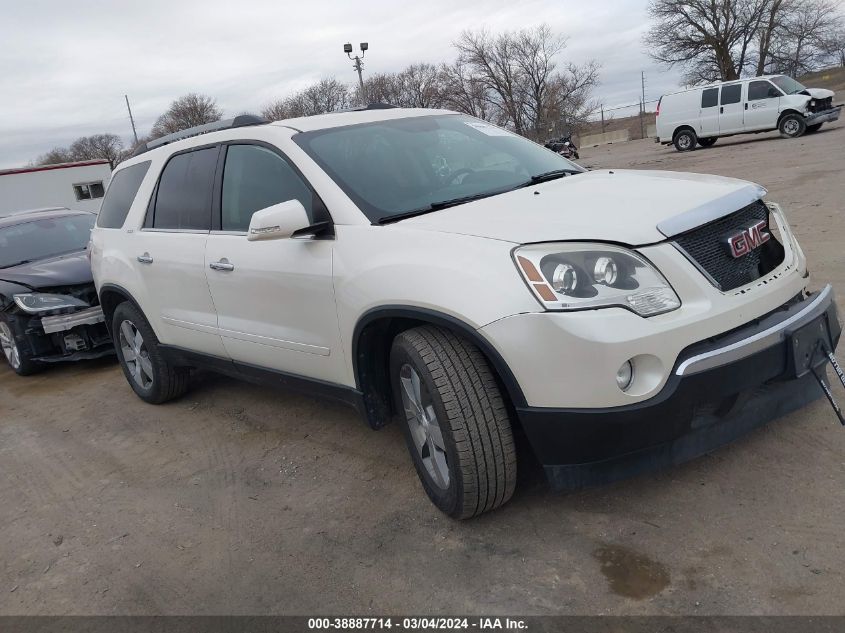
column 822, row 105
column 706, row 247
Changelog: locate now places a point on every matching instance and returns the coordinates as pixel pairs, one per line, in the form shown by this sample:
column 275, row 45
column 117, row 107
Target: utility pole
column 358, row 65
column 602, row 118
column 131, row 119
column 642, row 105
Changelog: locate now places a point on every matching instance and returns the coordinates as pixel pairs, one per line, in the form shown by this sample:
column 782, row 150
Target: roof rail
column 242, row 120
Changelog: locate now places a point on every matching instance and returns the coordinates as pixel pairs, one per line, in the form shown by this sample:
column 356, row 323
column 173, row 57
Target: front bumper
column 825, row 116
column 718, row 390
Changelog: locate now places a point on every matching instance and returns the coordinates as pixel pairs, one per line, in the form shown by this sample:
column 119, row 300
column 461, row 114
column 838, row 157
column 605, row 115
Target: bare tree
column 465, row 92
column 96, row 147
column 187, row 111
column 710, row 39
column 803, row 39
column 519, row 76
column 55, row 156
column 327, row 95
column 416, row 86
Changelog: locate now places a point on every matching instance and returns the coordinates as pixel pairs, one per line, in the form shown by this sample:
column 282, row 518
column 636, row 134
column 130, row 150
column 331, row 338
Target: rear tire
column 685, row 140
column 14, row 348
column 707, row 142
column 455, row 421
column 792, row 126
column 813, row 128
column 151, row 377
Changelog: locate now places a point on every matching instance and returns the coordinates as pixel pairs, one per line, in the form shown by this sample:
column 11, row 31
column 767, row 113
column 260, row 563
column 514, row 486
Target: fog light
column 625, row 375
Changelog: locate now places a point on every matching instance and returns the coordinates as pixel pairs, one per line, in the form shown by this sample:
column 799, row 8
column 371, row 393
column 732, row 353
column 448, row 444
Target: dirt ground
column 240, row 500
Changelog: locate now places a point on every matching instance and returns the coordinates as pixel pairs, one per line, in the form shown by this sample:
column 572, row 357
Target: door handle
column 721, row 109
column 145, row 259
column 222, row 265
column 746, row 106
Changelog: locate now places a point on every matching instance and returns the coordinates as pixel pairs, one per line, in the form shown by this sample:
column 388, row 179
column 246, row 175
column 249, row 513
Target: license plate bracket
column 808, row 346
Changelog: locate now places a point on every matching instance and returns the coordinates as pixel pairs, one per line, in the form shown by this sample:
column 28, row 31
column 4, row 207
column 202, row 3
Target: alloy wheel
column 425, row 429
column 10, row 348
column 684, row 141
column 791, row 127
column 135, row 355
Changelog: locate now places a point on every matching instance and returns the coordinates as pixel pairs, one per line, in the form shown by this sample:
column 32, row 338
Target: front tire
column 792, row 126
column 813, row 128
column 455, row 421
column 685, row 140
column 16, row 354
column 707, row 142
column 151, row 377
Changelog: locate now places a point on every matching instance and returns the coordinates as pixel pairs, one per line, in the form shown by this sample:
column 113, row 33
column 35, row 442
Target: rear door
column 275, row 298
column 762, row 105
column 731, row 108
column 709, row 117
column 169, row 253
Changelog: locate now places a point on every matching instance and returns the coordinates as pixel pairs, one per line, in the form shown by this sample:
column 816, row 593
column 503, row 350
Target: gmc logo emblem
column 751, row 238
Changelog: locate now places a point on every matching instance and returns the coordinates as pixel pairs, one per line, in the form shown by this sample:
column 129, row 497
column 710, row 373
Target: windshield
column 40, row 239
column 787, row 84
column 397, row 167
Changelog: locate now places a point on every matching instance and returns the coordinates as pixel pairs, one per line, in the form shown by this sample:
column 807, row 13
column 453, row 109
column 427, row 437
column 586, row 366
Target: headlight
column 588, row 276
column 36, row 302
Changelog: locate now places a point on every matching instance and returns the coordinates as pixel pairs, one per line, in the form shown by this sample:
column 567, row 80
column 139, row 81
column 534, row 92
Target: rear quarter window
column 120, row 195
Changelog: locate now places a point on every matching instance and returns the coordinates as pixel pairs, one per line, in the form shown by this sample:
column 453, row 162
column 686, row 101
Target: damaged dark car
column 49, row 310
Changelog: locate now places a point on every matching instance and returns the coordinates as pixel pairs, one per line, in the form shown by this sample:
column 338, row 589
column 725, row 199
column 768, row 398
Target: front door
column 761, row 105
column 731, row 109
column 169, row 254
column 275, row 299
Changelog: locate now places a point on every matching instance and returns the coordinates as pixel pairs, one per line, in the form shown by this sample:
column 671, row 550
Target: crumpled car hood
column 65, row 270
column 624, row 206
column 819, row 93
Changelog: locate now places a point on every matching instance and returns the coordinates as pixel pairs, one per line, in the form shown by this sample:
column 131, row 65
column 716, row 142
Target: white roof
column 353, row 117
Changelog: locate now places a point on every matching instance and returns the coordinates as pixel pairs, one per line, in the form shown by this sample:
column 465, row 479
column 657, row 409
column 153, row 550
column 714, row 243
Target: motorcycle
column 564, row 146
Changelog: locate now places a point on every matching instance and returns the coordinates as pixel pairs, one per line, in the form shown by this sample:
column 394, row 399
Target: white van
column 775, row 102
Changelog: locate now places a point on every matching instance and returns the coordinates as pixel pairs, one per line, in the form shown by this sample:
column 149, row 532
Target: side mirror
column 278, row 221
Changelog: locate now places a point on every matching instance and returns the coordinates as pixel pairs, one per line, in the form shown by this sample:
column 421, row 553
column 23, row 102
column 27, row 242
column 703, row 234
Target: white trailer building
column 79, row 185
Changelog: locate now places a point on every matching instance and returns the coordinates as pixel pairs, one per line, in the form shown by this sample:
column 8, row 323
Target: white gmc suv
column 425, row 265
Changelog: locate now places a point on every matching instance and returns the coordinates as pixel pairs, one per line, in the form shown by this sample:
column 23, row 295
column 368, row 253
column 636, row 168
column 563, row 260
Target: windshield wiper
column 550, row 175
column 436, row 206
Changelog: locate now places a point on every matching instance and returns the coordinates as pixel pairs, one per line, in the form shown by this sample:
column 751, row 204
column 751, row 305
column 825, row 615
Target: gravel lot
column 240, row 500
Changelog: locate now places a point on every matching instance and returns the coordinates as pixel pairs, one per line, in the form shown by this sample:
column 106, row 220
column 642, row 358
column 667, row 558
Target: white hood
column 624, row 206
column 820, row 93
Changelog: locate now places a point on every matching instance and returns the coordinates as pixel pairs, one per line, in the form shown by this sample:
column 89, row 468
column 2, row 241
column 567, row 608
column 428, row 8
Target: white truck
column 79, row 185
column 429, row 267
column 699, row 116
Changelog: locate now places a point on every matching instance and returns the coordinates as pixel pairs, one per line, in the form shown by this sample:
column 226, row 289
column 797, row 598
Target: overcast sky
column 65, row 65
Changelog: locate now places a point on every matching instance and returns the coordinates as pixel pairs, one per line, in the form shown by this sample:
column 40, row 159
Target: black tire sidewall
column 28, row 366
column 127, row 312
column 691, row 135
column 802, row 125
column 447, row 500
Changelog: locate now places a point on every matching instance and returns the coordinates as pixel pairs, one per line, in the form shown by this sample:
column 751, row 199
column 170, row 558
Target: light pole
column 358, row 65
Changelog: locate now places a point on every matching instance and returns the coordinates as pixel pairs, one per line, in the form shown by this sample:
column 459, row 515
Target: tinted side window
column 255, row 178
column 709, row 97
column 758, row 90
column 122, row 190
column 731, row 93
column 183, row 200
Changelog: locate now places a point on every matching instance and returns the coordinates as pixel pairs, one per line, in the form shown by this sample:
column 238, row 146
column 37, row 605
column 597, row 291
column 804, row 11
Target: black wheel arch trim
column 120, row 290
column 433, row 317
